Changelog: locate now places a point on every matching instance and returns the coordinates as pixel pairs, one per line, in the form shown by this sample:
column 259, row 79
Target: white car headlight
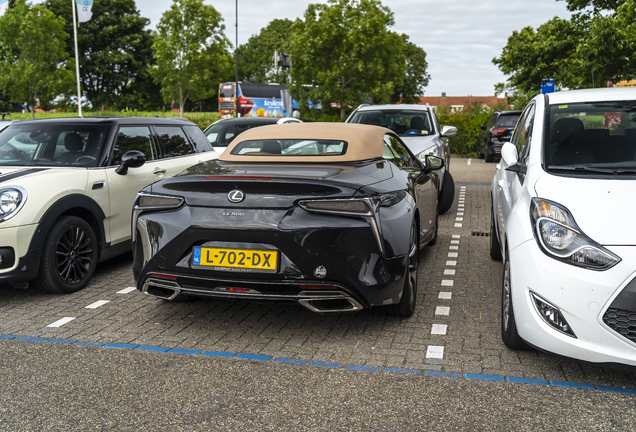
column 560, row 237
column 432, row 150
column 12, row 199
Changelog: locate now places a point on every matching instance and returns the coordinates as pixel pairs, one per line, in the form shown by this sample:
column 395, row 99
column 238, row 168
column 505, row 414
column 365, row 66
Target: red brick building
column 457, row 103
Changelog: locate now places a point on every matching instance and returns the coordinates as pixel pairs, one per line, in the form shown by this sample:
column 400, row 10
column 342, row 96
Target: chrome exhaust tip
column 163, row 289
column 329, row 303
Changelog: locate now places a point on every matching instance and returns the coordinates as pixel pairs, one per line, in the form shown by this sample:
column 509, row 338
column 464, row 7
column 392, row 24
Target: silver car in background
column 418, row 127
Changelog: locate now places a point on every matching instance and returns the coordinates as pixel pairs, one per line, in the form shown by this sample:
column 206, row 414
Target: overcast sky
column 460, row 37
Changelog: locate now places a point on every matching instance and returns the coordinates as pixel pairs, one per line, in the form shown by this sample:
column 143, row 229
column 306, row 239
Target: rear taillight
column 498, row 131
column 229, row 177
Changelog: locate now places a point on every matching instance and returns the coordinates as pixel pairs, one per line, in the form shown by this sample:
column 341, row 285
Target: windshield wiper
column 585, row 168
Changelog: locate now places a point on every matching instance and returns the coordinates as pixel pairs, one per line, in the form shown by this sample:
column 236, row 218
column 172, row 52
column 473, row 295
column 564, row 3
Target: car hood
column 604, row 209
column 419, row 143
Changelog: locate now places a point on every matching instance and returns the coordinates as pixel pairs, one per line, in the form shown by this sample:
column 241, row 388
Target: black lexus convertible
column 331, row 216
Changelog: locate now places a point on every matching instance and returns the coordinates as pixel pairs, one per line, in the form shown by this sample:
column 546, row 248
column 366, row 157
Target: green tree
column 256, row 57
column 343, row 52
column 115, row 53
column 32, row 41
column 549, row 52
column 587, row 50
column 191, row 51
column 416, row 76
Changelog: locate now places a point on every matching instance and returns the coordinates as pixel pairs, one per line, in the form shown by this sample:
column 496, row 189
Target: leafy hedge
column 467, row 122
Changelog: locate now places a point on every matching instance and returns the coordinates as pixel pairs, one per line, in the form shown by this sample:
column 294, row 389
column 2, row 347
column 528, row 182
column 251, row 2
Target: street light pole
column 236, row 67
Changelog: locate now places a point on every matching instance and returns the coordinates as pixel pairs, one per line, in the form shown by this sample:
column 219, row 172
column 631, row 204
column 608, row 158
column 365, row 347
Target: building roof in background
column 462, row 101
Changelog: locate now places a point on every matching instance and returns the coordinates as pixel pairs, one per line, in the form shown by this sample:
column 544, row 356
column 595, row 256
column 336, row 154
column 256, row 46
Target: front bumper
column 23, row 263
column 583, row 298
column 356, row 273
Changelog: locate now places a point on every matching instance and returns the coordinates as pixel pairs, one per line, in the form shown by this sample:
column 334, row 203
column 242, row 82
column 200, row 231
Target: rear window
column 507, row 120
column 294, row 147
column 226, row 90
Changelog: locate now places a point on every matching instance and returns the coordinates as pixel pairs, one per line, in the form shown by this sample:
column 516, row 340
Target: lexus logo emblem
column 236, row 196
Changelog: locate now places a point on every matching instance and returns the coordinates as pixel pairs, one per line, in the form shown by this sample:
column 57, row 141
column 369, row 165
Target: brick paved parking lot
column 455, row 327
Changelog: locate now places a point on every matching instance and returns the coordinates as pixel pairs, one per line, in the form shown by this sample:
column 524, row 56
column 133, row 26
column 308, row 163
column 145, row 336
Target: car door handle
column 99, row 184
column 159, row 171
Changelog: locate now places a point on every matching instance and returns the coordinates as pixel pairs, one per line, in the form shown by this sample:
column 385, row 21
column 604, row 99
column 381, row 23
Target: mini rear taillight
column 229, row 177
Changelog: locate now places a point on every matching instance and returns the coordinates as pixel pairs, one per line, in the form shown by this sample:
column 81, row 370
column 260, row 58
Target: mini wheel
column 69, row 256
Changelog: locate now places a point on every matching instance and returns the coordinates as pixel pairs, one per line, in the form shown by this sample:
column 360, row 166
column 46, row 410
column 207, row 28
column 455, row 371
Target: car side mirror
column 449, row 131
column 483, row 127
column 433, row 163
column 509, row 154
column 130, row 159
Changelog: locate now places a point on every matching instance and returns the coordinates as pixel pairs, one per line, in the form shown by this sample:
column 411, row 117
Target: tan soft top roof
column 364, row 141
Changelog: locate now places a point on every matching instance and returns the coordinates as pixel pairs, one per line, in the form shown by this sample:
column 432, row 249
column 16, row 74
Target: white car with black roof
column 67, row 187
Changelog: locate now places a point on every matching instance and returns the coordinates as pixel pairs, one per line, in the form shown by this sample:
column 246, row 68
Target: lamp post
column 236, row 97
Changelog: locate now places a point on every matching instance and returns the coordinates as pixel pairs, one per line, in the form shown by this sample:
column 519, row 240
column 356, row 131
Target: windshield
column 402, row 122
column 226, row 90
column 51, row 144
column 221, row 134
column 600, row 136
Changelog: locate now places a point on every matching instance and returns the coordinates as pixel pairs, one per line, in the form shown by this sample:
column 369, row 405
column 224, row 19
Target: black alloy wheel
column 406, row 306
column 509, row 333
column 495, row 245
column 69, row 256
column 447, row 195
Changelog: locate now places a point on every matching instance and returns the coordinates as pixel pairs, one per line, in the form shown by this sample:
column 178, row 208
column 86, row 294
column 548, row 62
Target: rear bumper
column 354, row 272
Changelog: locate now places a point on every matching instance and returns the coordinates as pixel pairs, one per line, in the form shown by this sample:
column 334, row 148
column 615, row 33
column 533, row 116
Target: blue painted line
column 485, row 377
column 515, row 380
column 218, row 354
column 444, row 374
column 569, row 384
column 364, row 368
column 60, row 341
column 402, row 371
column 325, row 364
column 519, row 380
column 152, row 348
column 254, row 357
column 30, row 339
column 96, row 344
column 185, row 351
column 290, row 361
column 617, row 390
column 120, row 345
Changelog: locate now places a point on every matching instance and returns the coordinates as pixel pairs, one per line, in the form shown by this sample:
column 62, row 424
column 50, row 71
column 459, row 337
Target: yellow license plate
column 233, row 259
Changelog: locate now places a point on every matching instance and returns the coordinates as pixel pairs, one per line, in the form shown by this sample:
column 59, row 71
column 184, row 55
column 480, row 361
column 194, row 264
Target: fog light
column 551, row 315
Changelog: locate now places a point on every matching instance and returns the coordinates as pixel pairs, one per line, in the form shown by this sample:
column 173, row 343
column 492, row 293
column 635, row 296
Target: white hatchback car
column 562, row 220
column 67, row 188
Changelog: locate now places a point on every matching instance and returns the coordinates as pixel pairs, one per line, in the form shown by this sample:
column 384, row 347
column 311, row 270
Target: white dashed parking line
column 445, row 295
column 439, row 329
column 442, row 310
column 61, row 322
column 126, row 290
column 435, row 352
column 97, row 304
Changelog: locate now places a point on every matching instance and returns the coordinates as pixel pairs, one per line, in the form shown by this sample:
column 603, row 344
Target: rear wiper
column 585, row 168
